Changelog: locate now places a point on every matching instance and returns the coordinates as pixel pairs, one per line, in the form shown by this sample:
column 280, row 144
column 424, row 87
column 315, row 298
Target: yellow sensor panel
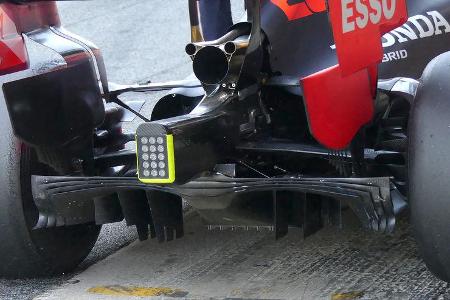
column 155, row 155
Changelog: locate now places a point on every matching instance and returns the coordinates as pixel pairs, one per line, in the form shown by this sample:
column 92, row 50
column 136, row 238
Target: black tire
column 429, row 166
column 24, row 252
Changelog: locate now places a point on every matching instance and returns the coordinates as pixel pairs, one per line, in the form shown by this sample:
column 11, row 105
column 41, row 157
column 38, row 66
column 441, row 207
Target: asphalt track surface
column 144, row 40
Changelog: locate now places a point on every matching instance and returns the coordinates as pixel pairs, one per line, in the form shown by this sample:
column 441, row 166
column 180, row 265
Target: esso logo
column 359, row 13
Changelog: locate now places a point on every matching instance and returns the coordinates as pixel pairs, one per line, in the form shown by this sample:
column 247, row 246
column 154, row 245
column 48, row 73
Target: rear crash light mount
column 176, row 150
column 155, row 159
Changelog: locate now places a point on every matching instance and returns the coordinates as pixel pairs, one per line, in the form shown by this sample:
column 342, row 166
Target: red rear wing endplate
column 13, row 55
column 339, row 100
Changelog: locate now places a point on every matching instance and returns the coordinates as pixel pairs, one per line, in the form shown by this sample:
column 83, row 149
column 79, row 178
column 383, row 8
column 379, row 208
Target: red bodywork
column 337, row 106
column 18, row 19
column 300, row 10
column 339, row 100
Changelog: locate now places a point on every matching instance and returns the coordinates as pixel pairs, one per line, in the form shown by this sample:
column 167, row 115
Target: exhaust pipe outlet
column 214, row 60
column 210, row 65
column 191, row 49
column 232, row 47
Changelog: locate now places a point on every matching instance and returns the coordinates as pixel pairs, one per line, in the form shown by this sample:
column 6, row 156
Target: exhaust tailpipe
column 214, row 61
column 211, row 65
column 233, row 47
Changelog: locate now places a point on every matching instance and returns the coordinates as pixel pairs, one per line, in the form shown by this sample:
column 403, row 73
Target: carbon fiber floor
column 337, row 264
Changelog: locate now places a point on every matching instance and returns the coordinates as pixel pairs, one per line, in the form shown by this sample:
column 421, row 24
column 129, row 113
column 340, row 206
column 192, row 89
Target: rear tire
column 429, row 166
column 25, row 252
